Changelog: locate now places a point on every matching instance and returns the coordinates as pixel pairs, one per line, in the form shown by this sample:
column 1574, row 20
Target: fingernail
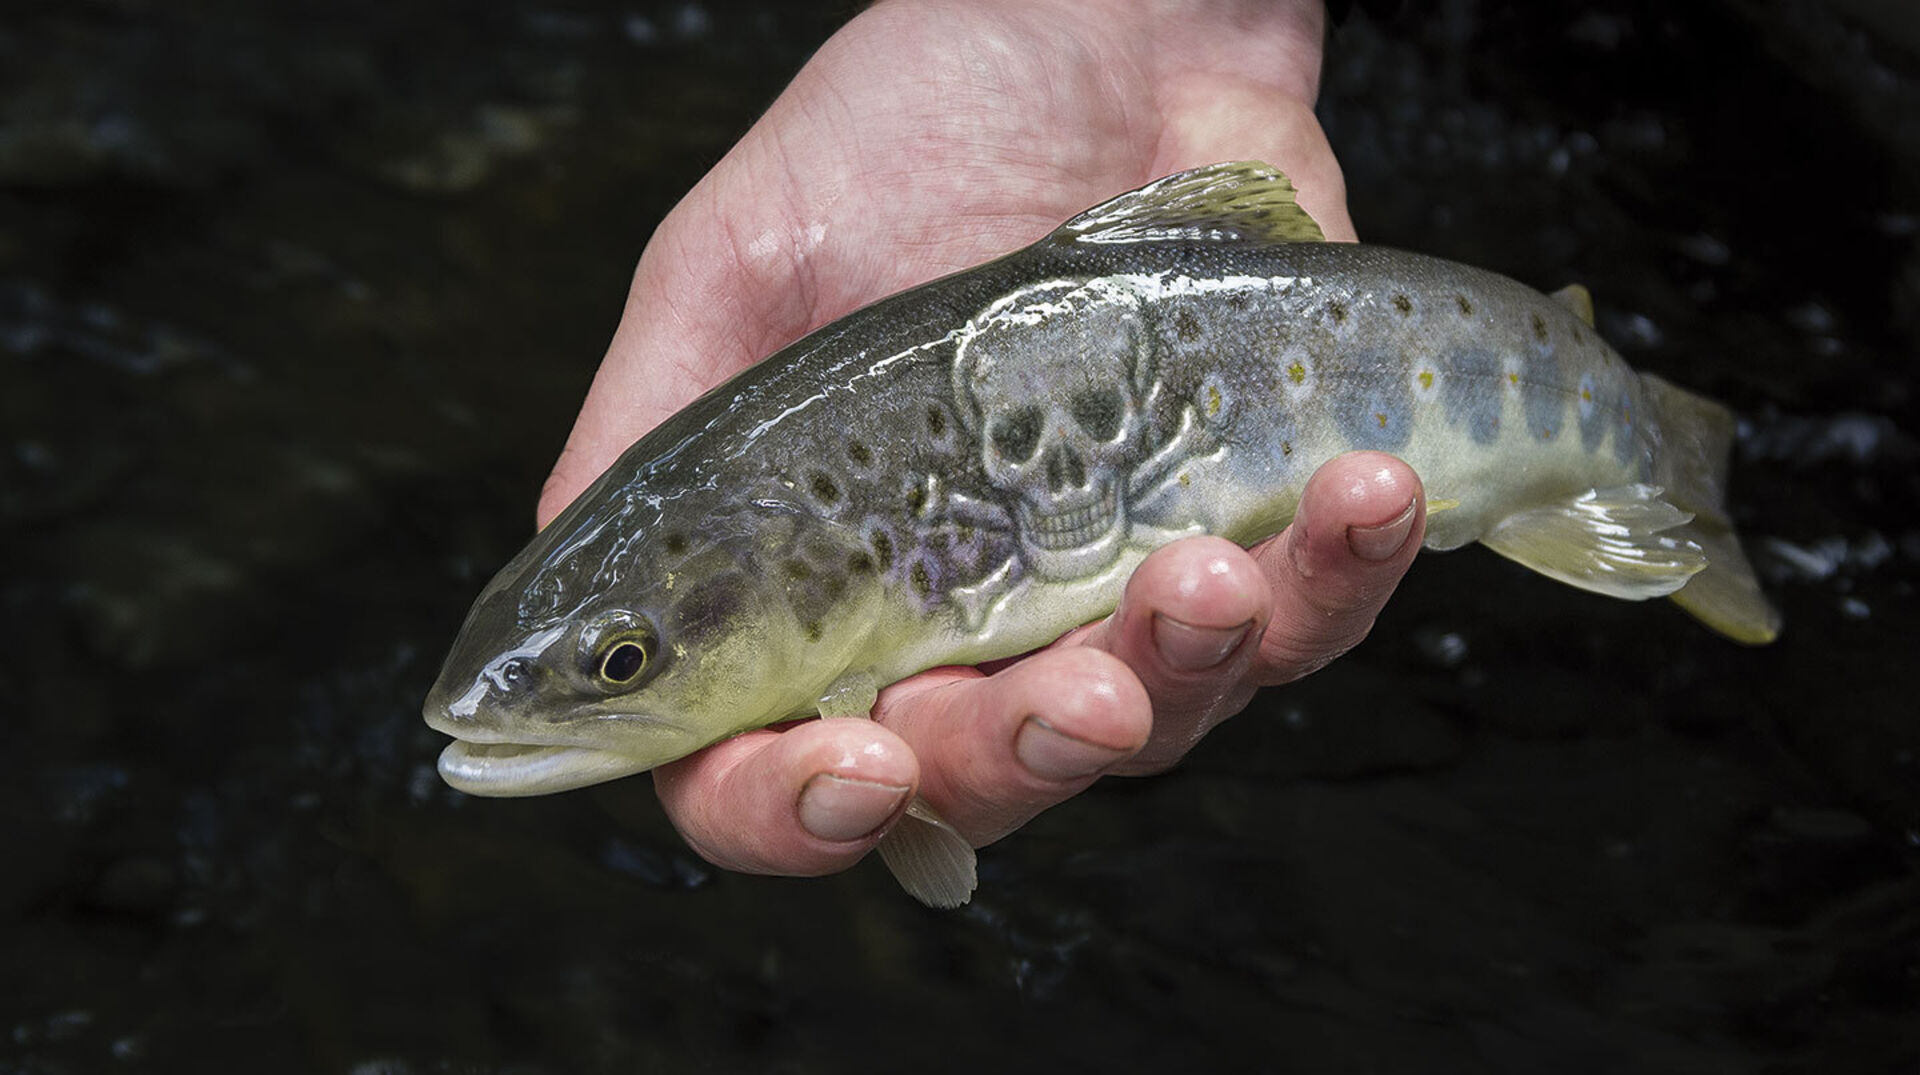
column 1051, row 754
column 1381, row 542
column 838, row 808
column 1187, row 648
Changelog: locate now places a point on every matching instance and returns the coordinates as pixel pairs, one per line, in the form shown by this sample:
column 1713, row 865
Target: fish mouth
column 499, row 764
column 512, row 770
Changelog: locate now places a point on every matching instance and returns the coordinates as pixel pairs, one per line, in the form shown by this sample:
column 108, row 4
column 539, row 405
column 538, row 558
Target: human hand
column 925, row 137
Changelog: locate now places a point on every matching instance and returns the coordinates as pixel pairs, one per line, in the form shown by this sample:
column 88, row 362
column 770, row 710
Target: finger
column 1188, row 626
column 1360, row 523
column 801, row 801
column 997, row 750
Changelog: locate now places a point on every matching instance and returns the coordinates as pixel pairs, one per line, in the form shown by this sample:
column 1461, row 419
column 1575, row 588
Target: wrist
column 1275, row 44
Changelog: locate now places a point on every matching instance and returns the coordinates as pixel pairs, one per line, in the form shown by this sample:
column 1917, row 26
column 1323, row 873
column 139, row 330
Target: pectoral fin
column 852, row 695
column 1609, row 541
column 928, row 856
column 930, row 859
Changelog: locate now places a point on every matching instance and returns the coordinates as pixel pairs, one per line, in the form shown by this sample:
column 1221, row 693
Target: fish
column 968, row 469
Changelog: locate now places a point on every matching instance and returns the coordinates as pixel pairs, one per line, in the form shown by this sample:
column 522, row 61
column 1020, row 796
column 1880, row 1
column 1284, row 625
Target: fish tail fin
column 1697, row 436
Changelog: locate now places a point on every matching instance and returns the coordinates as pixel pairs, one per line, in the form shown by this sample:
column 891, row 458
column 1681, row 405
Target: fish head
column 590, row 660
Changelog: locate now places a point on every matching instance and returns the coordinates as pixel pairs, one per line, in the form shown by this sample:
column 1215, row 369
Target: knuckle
column 1289, row 655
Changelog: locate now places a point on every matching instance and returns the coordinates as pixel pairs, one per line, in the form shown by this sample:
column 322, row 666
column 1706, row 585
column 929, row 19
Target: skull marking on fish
column 1052, row 379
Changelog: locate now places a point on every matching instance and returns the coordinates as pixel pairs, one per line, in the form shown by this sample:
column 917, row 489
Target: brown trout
column 970, row 468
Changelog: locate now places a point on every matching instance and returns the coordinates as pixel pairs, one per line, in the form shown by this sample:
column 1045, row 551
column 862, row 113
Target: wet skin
column 707, row 301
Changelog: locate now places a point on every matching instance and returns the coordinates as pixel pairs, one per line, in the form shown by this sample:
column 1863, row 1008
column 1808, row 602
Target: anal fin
column 930, row 859
column 1610, row 541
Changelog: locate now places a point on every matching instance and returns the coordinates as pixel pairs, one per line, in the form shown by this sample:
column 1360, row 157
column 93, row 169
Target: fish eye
column 623, row 662
column 619, row 650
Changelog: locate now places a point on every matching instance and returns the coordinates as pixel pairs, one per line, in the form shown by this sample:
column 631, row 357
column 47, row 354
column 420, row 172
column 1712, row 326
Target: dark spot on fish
column 1403, row 304
column 916, row 500
column 1286, row 447
column 824, row 489
column 676, row 543
column 860, row 563
column 812, row 630
column 1466, row 308
column 1186, row 326
column 708, row 609
column 813, row 595
column 832, row 587
column 882, row 543
column 1543, row 405
column 922, row 582
column 936, row 421
column 1338, row 311
column 859, row 453
column 1539, row 328
column 1375, row 412
column 1238, row 301
column 1592, row 414
column 1471, row 393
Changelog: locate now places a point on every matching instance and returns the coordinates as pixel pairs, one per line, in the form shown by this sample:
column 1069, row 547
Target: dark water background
column 297, row 302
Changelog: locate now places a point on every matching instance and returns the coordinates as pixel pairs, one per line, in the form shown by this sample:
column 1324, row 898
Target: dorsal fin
column 1576, row 298
column 1240, row 201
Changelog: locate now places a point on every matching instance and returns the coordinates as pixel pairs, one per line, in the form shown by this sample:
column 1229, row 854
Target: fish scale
column 968, row 469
